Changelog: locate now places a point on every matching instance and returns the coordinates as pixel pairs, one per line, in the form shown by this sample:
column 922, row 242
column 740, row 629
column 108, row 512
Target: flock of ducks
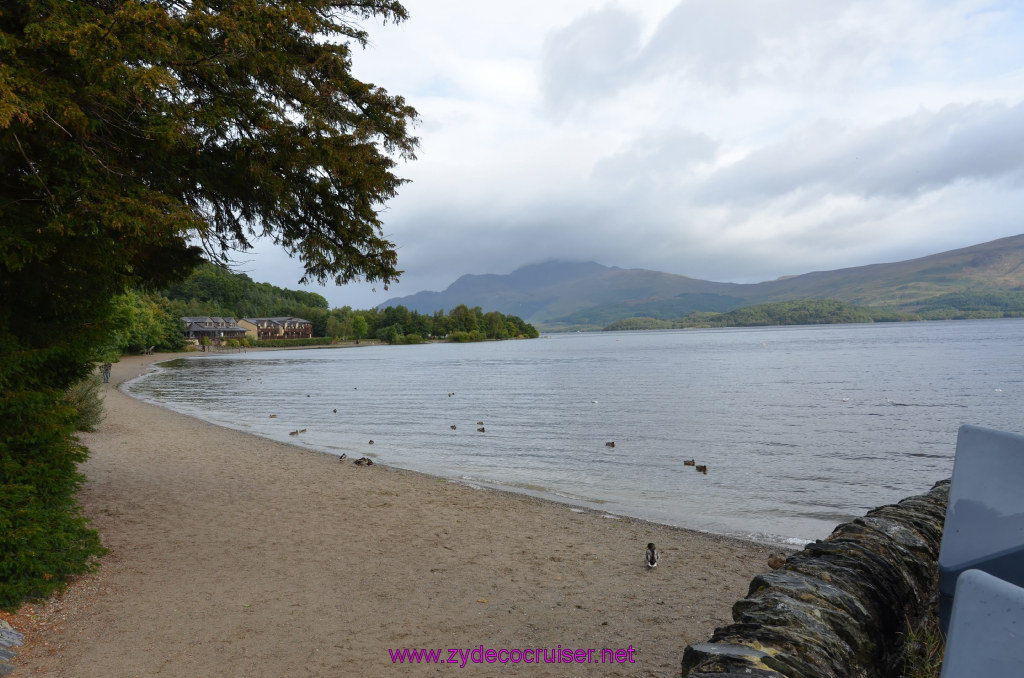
column 479, row 423
column 362, row 461
column 652, row 553
column 366, row 461
column 699, row 468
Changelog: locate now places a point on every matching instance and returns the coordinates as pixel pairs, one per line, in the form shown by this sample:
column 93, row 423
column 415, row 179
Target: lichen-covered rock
column 835, row 609
column 719, row 660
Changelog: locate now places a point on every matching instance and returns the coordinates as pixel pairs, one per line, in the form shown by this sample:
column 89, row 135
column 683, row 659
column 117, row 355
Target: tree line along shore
column 153, row 319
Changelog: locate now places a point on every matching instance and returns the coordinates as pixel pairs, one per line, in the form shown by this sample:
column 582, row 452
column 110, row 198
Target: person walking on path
column 106, row 372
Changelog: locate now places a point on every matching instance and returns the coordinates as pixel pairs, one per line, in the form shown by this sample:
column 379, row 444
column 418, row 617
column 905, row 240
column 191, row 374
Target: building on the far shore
column 277, row 328
column 214, row 328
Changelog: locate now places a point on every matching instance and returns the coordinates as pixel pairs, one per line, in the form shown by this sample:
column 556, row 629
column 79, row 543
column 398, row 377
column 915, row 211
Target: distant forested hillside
column 803, row 312
column 961, row 305
column 956, row 306
column 212, row 290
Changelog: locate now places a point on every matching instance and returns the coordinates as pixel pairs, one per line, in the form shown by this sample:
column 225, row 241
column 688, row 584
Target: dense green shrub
column 392, row 334
column 464, row 337
column 285, row 343
column 43, row 537
column 84, row 399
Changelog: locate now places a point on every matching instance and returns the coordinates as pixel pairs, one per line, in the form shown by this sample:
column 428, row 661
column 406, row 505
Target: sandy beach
column 234, row 555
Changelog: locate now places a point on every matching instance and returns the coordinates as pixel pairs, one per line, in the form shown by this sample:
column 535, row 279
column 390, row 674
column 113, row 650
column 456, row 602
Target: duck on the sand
column 652, row 556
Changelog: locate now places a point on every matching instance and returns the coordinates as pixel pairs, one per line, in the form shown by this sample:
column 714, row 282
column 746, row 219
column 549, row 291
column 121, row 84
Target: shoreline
column 232, row 553
column 479, row 486
column 780, row 543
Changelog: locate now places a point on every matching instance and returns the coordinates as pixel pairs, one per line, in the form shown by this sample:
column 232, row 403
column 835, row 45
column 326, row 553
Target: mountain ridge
column 586, row 295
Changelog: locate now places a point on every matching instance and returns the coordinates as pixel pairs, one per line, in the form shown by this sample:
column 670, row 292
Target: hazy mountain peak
column 560, row 293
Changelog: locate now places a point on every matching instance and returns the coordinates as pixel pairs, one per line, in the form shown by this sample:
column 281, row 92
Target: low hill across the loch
column 801, row 312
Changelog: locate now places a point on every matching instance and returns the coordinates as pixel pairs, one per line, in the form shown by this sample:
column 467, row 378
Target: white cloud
column 719, row 139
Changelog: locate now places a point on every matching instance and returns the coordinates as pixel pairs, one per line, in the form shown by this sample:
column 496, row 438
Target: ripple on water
column 800, row 428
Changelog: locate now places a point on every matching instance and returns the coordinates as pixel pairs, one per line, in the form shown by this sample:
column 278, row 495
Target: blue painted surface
column 986, row 635
column 984, row 526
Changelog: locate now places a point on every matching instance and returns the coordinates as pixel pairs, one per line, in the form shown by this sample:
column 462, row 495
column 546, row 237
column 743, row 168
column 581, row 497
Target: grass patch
column 923, row 647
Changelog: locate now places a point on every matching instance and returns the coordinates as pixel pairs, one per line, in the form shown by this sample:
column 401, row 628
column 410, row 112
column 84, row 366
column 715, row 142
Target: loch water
column 801, row 428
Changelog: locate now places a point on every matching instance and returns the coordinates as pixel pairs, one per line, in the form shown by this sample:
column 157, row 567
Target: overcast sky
column 727, row 140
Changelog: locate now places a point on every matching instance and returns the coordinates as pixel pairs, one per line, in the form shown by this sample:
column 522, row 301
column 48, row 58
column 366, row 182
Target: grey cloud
column 723, row 41
column 656, row 158
column 589, row 58
column 790, row 43
column 709, row 42
column 732, row 44
column 904, row 157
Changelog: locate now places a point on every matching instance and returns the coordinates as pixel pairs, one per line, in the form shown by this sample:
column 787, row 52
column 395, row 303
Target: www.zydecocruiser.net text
column 462, row 656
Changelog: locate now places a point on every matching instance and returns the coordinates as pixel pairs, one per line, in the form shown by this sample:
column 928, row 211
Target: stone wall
column 8, row 639
column 836, row 609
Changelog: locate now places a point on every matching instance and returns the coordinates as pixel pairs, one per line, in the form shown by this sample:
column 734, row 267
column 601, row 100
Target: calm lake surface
column 801, row 428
